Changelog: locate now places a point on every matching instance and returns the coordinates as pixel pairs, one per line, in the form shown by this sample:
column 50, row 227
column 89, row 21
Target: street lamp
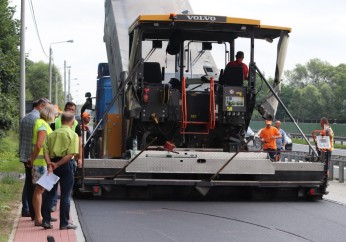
column 51, row 66
column 66, row 98
column 69, row 86
column 56, row 89
column 75, row 91
column 64, row 81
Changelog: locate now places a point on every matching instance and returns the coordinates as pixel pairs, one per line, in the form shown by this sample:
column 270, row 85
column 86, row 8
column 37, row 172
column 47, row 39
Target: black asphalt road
column 160, row 221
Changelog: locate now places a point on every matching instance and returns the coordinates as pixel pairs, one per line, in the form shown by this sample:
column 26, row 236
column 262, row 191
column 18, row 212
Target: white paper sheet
column 47, row 181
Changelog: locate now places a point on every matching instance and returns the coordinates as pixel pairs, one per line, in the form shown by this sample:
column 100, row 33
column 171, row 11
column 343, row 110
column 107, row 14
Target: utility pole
column 22, row 63
column 69, row 85
column 51, row 66
column 56, row 88
column 50, row 74
column 64, row 82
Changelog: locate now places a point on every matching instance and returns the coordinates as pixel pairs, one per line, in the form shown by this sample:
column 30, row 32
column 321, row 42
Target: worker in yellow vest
column 327, row 131
column 59, row 149
column 37, row 161
column 70, row 107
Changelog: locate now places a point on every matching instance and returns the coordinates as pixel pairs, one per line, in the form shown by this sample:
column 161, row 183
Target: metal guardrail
column 309, row 136
column 336, row 160
column 307, row 128
column 341, row 162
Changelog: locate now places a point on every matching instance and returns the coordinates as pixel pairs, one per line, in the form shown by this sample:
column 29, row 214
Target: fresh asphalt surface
column 246, row 220
column 119, row 220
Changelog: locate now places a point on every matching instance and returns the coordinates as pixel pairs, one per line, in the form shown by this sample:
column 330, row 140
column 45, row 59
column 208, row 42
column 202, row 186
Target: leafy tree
column 9, row 67
column 37, row 78
column 315, row 72
column 312, row 102
column 319, row 72
column 328, row 100
column 339, row 90
column 338, row 75
column 323, row 89
column 297, row 77
column 286, row 97
column 295, row 106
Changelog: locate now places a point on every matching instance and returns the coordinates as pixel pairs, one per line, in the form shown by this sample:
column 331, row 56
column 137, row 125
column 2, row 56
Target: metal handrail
column 340, row 161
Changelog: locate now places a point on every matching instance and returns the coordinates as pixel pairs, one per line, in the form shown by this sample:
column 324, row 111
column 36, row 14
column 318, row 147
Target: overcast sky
column 318, row 31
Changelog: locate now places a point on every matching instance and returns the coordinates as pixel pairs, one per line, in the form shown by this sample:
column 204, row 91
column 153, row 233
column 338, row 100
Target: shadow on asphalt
column 191, row 194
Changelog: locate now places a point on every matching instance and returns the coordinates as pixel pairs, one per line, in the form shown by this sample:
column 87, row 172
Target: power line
column 35, row 23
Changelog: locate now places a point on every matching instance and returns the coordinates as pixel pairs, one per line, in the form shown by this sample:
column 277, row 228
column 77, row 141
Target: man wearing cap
column 25, row 150
column 239, row 62
column 268, row 136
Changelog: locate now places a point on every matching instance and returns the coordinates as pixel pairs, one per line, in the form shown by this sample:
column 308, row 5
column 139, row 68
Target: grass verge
column 10, row 193
column 10, row 185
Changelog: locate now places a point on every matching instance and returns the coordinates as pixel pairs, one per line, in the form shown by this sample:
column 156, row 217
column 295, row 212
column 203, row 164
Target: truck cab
column 177, row 93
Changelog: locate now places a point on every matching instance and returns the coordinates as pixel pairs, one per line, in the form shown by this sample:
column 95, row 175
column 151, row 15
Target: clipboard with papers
column 47, row 181
column 323, row 142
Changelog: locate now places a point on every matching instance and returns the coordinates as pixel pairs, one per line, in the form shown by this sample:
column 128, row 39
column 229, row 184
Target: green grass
column 10, row 186
column 10, row 142
column 10, row 193
column 9, row 161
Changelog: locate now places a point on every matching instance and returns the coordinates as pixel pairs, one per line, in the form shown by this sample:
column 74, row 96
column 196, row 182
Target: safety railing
column 339, row 161
column 309, row 136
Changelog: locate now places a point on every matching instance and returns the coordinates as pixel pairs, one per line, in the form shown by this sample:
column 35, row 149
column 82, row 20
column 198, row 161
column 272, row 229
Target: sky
column 318, row 31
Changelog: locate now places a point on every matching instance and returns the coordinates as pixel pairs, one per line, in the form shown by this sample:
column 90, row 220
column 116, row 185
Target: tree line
column 36, row 73
column 311, row 91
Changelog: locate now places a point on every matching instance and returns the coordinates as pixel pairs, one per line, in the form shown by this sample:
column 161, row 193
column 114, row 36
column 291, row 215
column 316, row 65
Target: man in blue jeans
column 69, row 107
column 59, row 148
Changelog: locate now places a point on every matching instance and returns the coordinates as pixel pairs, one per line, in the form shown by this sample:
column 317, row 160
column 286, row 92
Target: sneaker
column 52, row 219
column 47, row 226
column 69, row 226
column 53, row 208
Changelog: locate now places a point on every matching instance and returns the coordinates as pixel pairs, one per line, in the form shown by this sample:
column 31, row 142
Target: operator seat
column 152, row 72
column 233, row 76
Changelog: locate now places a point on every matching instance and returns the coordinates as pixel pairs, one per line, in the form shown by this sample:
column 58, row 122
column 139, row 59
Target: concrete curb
column 74, row 215
column 15, row 224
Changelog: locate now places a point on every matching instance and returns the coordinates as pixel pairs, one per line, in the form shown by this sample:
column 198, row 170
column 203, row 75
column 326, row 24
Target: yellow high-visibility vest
column 39, row 161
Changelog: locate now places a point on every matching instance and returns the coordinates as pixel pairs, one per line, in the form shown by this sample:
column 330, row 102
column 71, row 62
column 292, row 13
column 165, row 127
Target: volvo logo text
column 201, row 18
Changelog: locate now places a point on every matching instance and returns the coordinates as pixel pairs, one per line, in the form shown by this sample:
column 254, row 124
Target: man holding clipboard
column 327, row 132
column 59, row 148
